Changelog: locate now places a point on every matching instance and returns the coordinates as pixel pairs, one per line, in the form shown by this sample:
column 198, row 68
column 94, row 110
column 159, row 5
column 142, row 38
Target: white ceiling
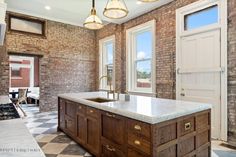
column 75, row 11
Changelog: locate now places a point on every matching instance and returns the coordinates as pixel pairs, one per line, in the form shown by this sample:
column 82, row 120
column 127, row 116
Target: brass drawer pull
column 110, row 149
column 110, row 115
column 137, row 142
column 187, row 126
column 91, row 111
column 137, row 127
column 80, row 107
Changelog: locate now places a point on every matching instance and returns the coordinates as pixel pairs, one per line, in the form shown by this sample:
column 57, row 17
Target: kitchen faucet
column 110, row 91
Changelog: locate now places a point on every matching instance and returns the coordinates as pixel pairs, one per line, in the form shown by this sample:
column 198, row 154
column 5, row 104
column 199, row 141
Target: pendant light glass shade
column 115, row 9
column 93, row 21
column 147, row 0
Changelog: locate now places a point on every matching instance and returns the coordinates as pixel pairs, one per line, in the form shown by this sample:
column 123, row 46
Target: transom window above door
column 141, row 58
column 106, row 62
column 199, row 19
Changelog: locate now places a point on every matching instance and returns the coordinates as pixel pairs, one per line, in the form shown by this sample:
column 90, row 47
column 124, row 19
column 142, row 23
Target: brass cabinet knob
column 110, row 115
column 137, row 142
column 91, row 111
column 110, row 149
column 137, row 127
column 80, row 107
column 187, row 126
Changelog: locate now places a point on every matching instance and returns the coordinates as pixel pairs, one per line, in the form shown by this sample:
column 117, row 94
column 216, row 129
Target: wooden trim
column 41, row 22
column 25, row 54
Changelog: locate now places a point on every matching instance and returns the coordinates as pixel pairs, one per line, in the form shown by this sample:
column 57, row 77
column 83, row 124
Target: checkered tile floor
column 43, row 126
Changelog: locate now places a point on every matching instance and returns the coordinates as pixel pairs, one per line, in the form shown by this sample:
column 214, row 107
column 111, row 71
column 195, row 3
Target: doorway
column 201, row 60
column 24, row 77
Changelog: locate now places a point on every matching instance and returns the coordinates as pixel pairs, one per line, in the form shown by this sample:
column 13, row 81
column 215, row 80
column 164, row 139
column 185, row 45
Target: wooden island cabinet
column 106, row 134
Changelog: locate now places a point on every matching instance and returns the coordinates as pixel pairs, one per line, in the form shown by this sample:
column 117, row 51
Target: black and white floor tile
column 43, row 126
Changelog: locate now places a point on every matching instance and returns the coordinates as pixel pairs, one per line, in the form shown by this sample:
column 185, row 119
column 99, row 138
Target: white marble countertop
column 146, row 109
column 4, row 99
column 16, row 140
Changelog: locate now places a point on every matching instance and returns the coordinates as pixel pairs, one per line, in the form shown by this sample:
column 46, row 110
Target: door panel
column 199, row 79
column 81, row 128
column 93, row 135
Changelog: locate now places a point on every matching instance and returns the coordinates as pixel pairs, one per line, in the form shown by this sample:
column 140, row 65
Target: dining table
column 14, row 93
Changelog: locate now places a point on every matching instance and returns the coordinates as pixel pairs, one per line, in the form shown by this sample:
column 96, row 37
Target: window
column 106, row 47
column 141, row 58
column 15, row 72
column 201, row 18
column 24, row 71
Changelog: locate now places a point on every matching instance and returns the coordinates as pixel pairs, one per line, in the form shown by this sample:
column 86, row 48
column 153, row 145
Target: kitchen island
column 140, row 127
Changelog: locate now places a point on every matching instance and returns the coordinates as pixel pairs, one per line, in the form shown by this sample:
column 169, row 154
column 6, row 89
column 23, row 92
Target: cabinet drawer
column 92, row 112
column 113, row 128
column 139, row 128
column 186, row 126
column 133, row 153
column 139, row 143
column 81, row 109
column 109, row 150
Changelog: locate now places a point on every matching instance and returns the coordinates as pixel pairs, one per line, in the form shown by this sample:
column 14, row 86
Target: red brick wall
column 67, row 63
column 165, row 46
column 23, row 80
column 232, row 72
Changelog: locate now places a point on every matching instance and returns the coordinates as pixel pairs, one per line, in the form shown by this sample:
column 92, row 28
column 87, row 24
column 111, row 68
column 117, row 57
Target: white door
column 200, row 73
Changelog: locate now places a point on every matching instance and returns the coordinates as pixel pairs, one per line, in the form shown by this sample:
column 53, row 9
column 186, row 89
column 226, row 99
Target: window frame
column 102, row 57
column 203, row 28
column 30, row 66
column 132, row 59
column 199, row 11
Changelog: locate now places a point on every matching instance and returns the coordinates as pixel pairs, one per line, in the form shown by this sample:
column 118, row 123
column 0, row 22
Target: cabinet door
column 70, row 109
column 61, row 112
column 81, row 128
column 93, row 134
column 109, row 150
column 70, row 126
column 113, row 128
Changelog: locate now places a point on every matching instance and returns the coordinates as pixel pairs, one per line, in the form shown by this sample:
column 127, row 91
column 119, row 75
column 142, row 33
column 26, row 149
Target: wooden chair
column 22, row 97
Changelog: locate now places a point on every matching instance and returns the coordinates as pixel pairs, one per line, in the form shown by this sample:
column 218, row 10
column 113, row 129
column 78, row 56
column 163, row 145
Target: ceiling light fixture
column 115, row 9
column 147, row 1
column 47, row 7
column 139, row 2
column 93, row 21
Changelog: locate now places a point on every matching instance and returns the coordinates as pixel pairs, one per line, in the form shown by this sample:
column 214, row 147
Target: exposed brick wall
column 68, row 62
column 232, row 72
column 165, row 53
column 4, row 71
column 165, row 46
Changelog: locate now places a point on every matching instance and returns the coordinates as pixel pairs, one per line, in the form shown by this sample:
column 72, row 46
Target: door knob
column 182, row 94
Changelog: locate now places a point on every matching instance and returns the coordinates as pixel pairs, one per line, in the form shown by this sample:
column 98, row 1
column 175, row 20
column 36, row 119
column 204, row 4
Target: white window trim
column 102, row 72
column 223, row 26
column 129, row 59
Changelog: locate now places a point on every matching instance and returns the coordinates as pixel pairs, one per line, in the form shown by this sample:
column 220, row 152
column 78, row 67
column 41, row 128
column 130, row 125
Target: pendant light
column 93, row 21
column 115, row 9
column 147, row 0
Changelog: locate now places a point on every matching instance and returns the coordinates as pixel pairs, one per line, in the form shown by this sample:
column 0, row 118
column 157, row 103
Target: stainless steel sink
column 100, row 100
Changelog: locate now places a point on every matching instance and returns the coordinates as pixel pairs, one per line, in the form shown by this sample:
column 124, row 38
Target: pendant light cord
column 93, row 3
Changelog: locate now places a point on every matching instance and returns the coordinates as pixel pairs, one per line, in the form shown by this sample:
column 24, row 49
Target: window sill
column 16, row 78
column 149, row 94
